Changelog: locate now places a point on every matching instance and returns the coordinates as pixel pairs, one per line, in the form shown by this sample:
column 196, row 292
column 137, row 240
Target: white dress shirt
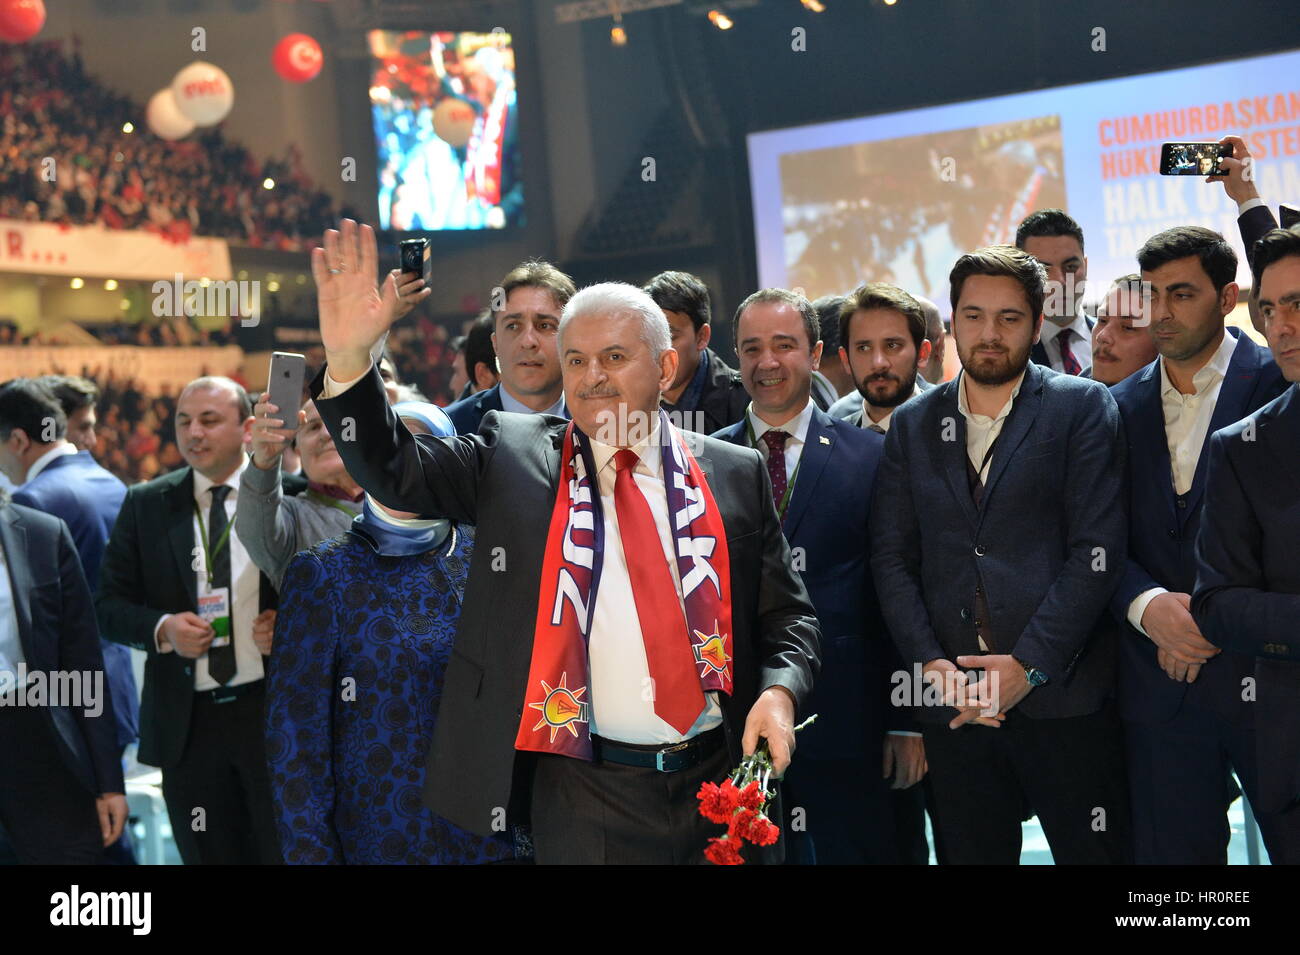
column 796, row 427
column 245, row 586
column 58, row 451
column 1080, row 341
column 621, row 708
column 883, row 424
column 981, row 430
column 1187, row 422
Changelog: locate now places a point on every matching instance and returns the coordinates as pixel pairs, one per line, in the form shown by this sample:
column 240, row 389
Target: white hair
column 611, row 299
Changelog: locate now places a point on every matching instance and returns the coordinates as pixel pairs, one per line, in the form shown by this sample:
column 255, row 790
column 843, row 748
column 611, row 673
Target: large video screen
column 447, row 130
column 899, row 197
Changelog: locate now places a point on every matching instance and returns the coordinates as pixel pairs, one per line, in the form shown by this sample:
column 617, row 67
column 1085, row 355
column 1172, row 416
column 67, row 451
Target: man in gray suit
column 1000, row 531
column 883, row 347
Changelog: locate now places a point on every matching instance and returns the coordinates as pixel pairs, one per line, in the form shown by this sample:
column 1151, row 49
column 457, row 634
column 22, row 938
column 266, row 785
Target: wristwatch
column 1035, row 676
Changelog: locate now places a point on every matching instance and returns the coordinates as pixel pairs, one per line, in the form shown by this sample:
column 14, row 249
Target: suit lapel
column 952, row 453
column 1016, row 426
column 1239, row 384
column 1147, row 429
column 812, row 461
column 14, row 538
column 180, row 530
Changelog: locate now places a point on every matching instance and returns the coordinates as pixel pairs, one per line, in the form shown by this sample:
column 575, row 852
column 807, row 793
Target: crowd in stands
column 205, row 185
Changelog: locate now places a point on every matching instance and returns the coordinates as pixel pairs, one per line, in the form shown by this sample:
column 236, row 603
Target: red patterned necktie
column 1069, row 364
column 678, row 697
column 775, row 441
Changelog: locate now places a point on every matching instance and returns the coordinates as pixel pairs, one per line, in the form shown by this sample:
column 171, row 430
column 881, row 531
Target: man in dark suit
column 828, row 467
column 58, row 479
column 999, row 532
column 884, row 348
column 532, row 296
column 1056, row 240
column 1186, row 724
column 707, row 394
column 616, row 778
column 178, row 584
column 1247, row 594
column 62, row 798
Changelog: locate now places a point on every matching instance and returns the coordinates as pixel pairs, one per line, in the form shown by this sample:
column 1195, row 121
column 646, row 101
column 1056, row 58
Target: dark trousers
column 49, row 816
column 1191, row 756
column 1069, row 771
column 223, row 773
column 603, row 813
column 842, row 812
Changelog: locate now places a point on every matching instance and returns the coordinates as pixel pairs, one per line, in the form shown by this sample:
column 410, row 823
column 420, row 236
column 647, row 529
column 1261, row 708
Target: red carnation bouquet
column 740, row 803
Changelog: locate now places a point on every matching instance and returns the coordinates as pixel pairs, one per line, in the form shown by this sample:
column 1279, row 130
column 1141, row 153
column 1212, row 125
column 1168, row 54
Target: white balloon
column 165, row 118
column 204, row 93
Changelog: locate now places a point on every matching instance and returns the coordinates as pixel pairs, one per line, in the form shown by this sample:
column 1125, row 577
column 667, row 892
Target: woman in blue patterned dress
column 363, row 635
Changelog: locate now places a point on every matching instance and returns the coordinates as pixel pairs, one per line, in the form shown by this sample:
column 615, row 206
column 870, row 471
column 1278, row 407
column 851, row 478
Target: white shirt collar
column 1079, row 326
column 1212, row 371
column 58, row 451
column 964, row 408
column 510, row 403
column 650, row 463
column 203, row 484
column 796, row 427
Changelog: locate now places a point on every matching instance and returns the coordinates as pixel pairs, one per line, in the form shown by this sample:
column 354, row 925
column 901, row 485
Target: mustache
column 597, row 393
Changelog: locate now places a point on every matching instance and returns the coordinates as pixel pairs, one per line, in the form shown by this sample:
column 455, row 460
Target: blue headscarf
column 410, row 536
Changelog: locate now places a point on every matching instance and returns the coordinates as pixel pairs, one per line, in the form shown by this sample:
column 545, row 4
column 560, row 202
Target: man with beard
column 882, row 330
column 1187, row 722
column 1121, row 339
column 999, row 532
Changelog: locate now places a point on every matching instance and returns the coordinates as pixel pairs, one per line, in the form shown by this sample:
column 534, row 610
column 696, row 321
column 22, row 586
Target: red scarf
column 557, row 717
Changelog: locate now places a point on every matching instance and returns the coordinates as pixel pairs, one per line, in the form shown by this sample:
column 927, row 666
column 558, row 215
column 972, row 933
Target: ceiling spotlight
column 720, row 20
column 128, row 127
column 618, row 35
column 110, row 285
column 77, row 283
column 890, row 3
column 816, row 6
column 268, row 183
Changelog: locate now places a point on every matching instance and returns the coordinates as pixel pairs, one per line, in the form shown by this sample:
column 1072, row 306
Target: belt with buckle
column 227, row 694
column 666, row 759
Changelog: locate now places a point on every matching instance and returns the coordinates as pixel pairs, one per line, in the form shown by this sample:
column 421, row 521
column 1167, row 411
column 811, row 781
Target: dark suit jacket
column 1162, row 534
column 467, row 413
column 56, row 628
column 87, row 499
column 1047, row 544
column 1247, row 595
column 829, row 535
column 722, row 400
column 1254, row 224
column 148, row 572
column 1038, row 354
column 503, row 480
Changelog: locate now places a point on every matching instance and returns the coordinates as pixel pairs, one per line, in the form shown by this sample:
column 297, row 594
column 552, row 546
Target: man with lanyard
column 822, row 470
column 177, row 583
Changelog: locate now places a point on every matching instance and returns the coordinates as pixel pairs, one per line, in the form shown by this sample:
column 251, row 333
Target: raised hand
column 352, row 314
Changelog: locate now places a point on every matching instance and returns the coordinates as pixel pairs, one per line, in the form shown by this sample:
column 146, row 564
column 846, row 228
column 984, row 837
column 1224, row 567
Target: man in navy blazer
column 1247, row 593
column 1056, row 240
column 999, row 533
column 1187, row 719
column 58, row 479
column 62, row 798
column 829, row 467
column 532, row 296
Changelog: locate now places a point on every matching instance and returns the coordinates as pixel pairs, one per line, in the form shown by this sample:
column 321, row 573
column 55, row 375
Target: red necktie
column 678, row 697
column 775, row 441
column 1069, row 364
